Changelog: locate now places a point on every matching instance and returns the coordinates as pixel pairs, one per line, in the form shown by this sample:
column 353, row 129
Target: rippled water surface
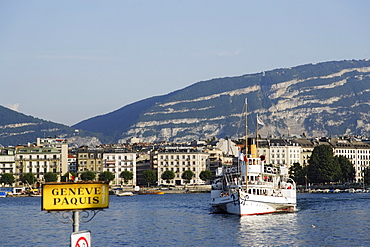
column 186, row 220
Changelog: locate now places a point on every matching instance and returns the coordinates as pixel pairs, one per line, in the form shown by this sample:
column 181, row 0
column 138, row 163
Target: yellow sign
column 74, row 196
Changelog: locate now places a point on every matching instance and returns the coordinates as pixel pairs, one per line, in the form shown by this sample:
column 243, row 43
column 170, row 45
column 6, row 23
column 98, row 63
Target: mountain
column 19, row 129
column 330, row 98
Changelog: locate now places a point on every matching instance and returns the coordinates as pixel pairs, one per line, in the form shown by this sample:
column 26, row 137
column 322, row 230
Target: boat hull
column 248, row 204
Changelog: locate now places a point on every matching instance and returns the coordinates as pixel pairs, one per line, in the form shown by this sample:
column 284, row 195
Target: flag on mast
column 259, row 121
column 71, row 177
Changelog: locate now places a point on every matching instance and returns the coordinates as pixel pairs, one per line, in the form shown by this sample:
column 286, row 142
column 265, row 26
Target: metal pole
column 76, row 221
column 76, row 216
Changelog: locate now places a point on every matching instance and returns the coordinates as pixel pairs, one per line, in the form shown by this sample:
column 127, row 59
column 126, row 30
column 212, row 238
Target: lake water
column 186, row 220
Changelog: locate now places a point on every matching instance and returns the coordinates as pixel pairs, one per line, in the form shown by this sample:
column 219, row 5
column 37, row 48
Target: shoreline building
column 116, row 160
column 280, row 151
column 7, row 160
column 90, row 159
column 358, row 152
column 61, row 145
column 37, row 160
column 179, row 159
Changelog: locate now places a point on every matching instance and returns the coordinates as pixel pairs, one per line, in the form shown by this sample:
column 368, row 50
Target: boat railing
column 289, row 184
column 260, row 183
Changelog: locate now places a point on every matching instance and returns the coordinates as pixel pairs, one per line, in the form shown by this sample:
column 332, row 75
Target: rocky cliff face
column 315, row 100
column 330, row 98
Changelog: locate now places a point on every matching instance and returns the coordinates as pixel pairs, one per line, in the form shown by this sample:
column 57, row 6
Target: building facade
column 7, row 160
column 61, row 145
column 178, row 160
column 280, row 151
column 117, row 161
column 358, row 152
column 90, row 159
column 37, row 160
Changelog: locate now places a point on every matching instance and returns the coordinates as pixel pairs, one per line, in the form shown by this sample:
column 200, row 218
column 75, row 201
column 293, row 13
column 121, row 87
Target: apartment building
column 61, row 145
column 178, row 160
column 37, row 160
column 217, row 159
column 358, row 152
column 280, row 151
column 90, row 159
column 7, row 160
column 72, row 163
column 117, row 161
column 307, row 147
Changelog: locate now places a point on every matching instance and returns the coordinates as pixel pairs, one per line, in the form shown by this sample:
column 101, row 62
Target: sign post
column 81, row 239
column 67, row 200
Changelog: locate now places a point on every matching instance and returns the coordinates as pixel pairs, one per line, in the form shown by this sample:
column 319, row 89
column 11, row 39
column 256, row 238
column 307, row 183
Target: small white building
column 7, row 160
column 116, row 161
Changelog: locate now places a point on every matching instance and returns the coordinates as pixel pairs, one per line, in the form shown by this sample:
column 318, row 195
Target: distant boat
column 2, row 194
column 150, row 192
column 124, row 193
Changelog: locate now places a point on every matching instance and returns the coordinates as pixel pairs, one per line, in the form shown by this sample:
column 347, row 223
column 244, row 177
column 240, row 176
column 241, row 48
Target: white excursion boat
column 260, row 190
column 252, row 188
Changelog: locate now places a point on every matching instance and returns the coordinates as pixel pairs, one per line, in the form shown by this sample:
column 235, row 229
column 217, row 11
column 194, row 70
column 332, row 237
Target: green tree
column 106, row 176
column 298, row 173
column 88, row 176
column 168, row 175
column 127, row 176
column 28, row 178
column 347, row 169
column 205, row 175
column 7, row 178
column 367, row 176
column 187, row 175
column 50, row 177
column 323, row 167
column 150, row 176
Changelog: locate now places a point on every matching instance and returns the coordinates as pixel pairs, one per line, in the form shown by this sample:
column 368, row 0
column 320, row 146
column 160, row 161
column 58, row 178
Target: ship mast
column 256, row 136
column 246, row 144
column 246, row 127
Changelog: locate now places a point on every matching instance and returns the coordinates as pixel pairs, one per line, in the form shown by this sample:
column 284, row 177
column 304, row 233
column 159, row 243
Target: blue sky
column 66, row 61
